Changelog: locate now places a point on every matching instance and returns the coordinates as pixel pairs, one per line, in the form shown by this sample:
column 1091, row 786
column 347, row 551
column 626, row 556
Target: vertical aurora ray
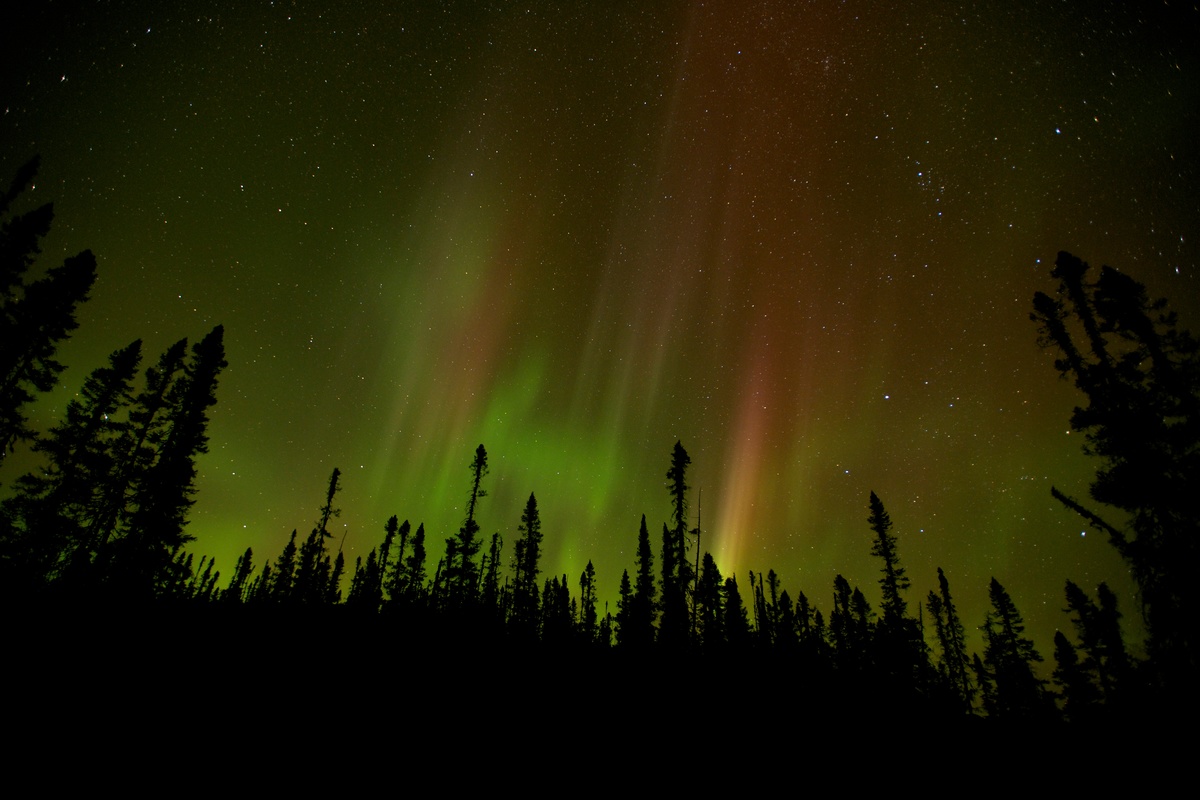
column 747, row 448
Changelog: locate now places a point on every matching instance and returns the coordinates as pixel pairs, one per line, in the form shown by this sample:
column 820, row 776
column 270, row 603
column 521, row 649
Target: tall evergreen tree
column 899, row 646
column 490, row 595
column 736, row 621
column 785, row 624
column 527, row 554
column 203, row 586
column 770, row 606
column 951, row 635
column 361, row 581
column 462, row 573
column 672, row 619
column 674, row 625
column 397, row 576
column 557, row 619
column 239, row 585
column 1099, row 630
column 136, row 452
column 314, row 567
column 588, row 617
column 281, row 587
column 1140, row 374
column 841, row 625
column 762, row 627
column 894, row 581
column 709, row 608
column 604, row 631
column 1009, row 658
column 1114, row 664
column 35, row 316
column 165, row 493
column 985, row 681
column 391, row 529
column 53, row 507
column 862, row 623
column 413, row 588
column 625, row 634
column 642, row 608
column 1080, row 696
column 806, row 634
column 333, row 587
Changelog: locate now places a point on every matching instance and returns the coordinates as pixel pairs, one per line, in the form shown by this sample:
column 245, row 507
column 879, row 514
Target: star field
column 803, row 239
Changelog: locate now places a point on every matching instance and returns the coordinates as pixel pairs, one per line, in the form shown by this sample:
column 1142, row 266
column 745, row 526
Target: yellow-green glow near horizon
column 803, row 240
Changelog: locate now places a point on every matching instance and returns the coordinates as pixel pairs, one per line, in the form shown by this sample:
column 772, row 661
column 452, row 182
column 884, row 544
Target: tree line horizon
column 102, row 524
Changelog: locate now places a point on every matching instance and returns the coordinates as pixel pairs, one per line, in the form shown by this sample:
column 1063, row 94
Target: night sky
column 802, row 238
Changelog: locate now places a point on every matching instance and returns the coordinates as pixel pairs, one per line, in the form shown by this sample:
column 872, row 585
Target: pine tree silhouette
column 642, row 613
column 1141, row 376
column 35, row 316
column 588, row 616
column 462, row 573
column 951, row 635
column 53, row 508
column 1009, row 658
column 527, row 549
column 1099, row 630
column 674, row 624
column 709, row 608
column 314, row 566
column 144, row 559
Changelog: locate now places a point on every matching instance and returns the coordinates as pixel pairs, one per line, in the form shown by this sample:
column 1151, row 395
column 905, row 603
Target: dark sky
column 802, row 238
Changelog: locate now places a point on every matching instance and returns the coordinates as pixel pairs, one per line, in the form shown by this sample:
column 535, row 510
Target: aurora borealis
column 801, row 238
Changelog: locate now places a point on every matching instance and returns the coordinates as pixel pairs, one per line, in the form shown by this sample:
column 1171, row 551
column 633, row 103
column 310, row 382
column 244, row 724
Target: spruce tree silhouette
column 709, row 611
column 414, row 593
column 491, row 595
column 557, row 621
column 894, row 580
column 899, row 646
column 527, row 555
column 805, row 628
column 462, row 573
column 1009, row 658
column 954, row 662
column 785, row 623
column 397, row 574
column 314, row 567
column 1098, row 627
column 736, row 619
column 841, row 627
column 1141, row 376
column 360, row 581
column 768, row 608
column 368, row 583
column 642, row 611
column 376, row 580
column 239, row 584
column 283, row 578
column 588, row 615
column 624, row 620
column 166, row 491
column 35, row 316
column 52, row 509
column 675, row 625
column 136, row 452
column 112, row 504
column 1079, row 695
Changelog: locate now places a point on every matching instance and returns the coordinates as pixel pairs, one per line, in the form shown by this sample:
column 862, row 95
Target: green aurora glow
column 801, row 238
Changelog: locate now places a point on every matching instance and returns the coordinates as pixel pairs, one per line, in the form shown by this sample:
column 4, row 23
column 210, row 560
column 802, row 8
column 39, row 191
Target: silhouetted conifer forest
column 95, row 566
